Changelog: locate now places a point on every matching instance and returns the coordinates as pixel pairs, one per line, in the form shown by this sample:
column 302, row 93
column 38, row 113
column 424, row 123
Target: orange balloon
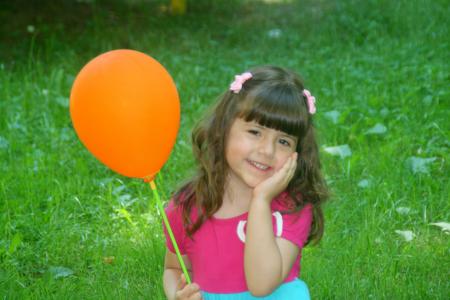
column 125, row 109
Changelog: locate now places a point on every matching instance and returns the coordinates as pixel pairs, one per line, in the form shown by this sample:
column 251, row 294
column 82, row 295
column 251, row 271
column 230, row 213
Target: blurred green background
column 72, row 229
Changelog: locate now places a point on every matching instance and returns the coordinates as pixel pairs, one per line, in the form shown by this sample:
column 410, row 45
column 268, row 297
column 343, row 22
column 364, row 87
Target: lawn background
column 72, row 229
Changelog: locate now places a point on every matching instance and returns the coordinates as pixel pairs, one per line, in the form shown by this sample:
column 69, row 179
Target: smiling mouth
column 259, row 166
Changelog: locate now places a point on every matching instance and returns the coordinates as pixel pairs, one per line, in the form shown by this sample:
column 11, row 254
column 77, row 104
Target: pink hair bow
column 311, row 101
column 239, row 80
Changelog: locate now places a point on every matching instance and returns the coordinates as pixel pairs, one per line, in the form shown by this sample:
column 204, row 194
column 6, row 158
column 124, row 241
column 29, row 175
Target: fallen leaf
column 364, row 183
column 63, row 101
column 419, row 165
column 118, row 190
column 443, row 225
column 3, row 143
column 427, row 100
column 274, row 33
column 30, row 28
column 342, row 151
column 333, row 116
column 59, row 272
column 377, row 129
column 406, row 234
column 403, row 210
column 384, row 111
column 124, row 199
column 108, row 260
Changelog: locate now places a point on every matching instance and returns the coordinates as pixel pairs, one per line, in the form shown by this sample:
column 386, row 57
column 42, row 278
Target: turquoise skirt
column 295, row 290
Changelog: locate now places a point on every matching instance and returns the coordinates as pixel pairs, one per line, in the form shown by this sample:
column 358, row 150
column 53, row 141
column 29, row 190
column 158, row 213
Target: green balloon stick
column 169, row 229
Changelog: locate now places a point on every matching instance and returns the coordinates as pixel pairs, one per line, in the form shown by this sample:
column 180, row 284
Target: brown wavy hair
column 274, row 98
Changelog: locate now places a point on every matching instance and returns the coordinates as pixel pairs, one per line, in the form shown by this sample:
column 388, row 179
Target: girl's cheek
column 280, row 165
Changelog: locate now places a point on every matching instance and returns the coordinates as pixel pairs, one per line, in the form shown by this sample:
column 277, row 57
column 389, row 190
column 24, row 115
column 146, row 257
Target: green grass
column 63, row 213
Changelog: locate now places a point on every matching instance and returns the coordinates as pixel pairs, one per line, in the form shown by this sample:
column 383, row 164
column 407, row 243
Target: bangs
column 279, row 107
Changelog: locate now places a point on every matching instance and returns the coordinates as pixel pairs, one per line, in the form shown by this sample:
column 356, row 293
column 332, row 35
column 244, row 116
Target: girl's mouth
column 259, row 166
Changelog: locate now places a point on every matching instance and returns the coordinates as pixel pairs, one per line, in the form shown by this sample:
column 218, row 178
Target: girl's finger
column 281, row 173
column 196, row 296
column 286, row 169
column 292, row 168
column 192, row 289
column 179, row 295
column 287, row 164
column 188, row 291
column 181, row 282
column 288, row 176
column 294, row 160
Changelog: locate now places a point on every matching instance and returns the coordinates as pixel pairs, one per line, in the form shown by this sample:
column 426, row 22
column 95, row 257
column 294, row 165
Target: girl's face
column 254, row 152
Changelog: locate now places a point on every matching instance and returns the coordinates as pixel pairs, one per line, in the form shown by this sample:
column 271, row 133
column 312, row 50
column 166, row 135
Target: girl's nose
column 267, row 148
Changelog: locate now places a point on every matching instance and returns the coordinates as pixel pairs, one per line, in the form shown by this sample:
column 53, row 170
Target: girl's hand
column 187, row 291
column 276, row 183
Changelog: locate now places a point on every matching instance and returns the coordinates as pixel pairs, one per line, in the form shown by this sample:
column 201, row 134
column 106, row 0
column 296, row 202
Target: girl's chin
column 254, row 183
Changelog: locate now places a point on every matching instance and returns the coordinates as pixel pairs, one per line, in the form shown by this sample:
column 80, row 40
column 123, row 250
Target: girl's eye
column 285, row 142
column 254, row 132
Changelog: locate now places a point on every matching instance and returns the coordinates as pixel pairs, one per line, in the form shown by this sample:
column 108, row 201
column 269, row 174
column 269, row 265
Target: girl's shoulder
column 177, row 204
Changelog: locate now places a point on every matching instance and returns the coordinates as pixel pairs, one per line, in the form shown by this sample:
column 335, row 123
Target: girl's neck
column 237, row 195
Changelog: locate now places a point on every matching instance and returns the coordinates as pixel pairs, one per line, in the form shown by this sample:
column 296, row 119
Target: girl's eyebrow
column 284, row 134
column 260, row 126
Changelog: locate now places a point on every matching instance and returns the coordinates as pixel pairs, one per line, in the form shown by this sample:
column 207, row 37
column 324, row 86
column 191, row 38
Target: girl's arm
column 172, row 274
column 267, row 260
column 171, row 278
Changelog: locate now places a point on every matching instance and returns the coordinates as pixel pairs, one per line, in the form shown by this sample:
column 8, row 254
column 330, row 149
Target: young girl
column 255, row 202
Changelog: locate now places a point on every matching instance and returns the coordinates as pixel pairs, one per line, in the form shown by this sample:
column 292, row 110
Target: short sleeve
column 174, row 216
column 296, row 226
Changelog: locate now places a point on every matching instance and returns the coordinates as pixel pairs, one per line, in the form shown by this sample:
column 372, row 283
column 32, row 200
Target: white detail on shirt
column 279, row 226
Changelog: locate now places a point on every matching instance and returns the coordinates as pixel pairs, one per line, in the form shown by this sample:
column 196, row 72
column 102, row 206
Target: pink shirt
column 217, row 249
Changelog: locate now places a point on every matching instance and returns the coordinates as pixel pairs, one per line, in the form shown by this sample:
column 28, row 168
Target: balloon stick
column 169, row 229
